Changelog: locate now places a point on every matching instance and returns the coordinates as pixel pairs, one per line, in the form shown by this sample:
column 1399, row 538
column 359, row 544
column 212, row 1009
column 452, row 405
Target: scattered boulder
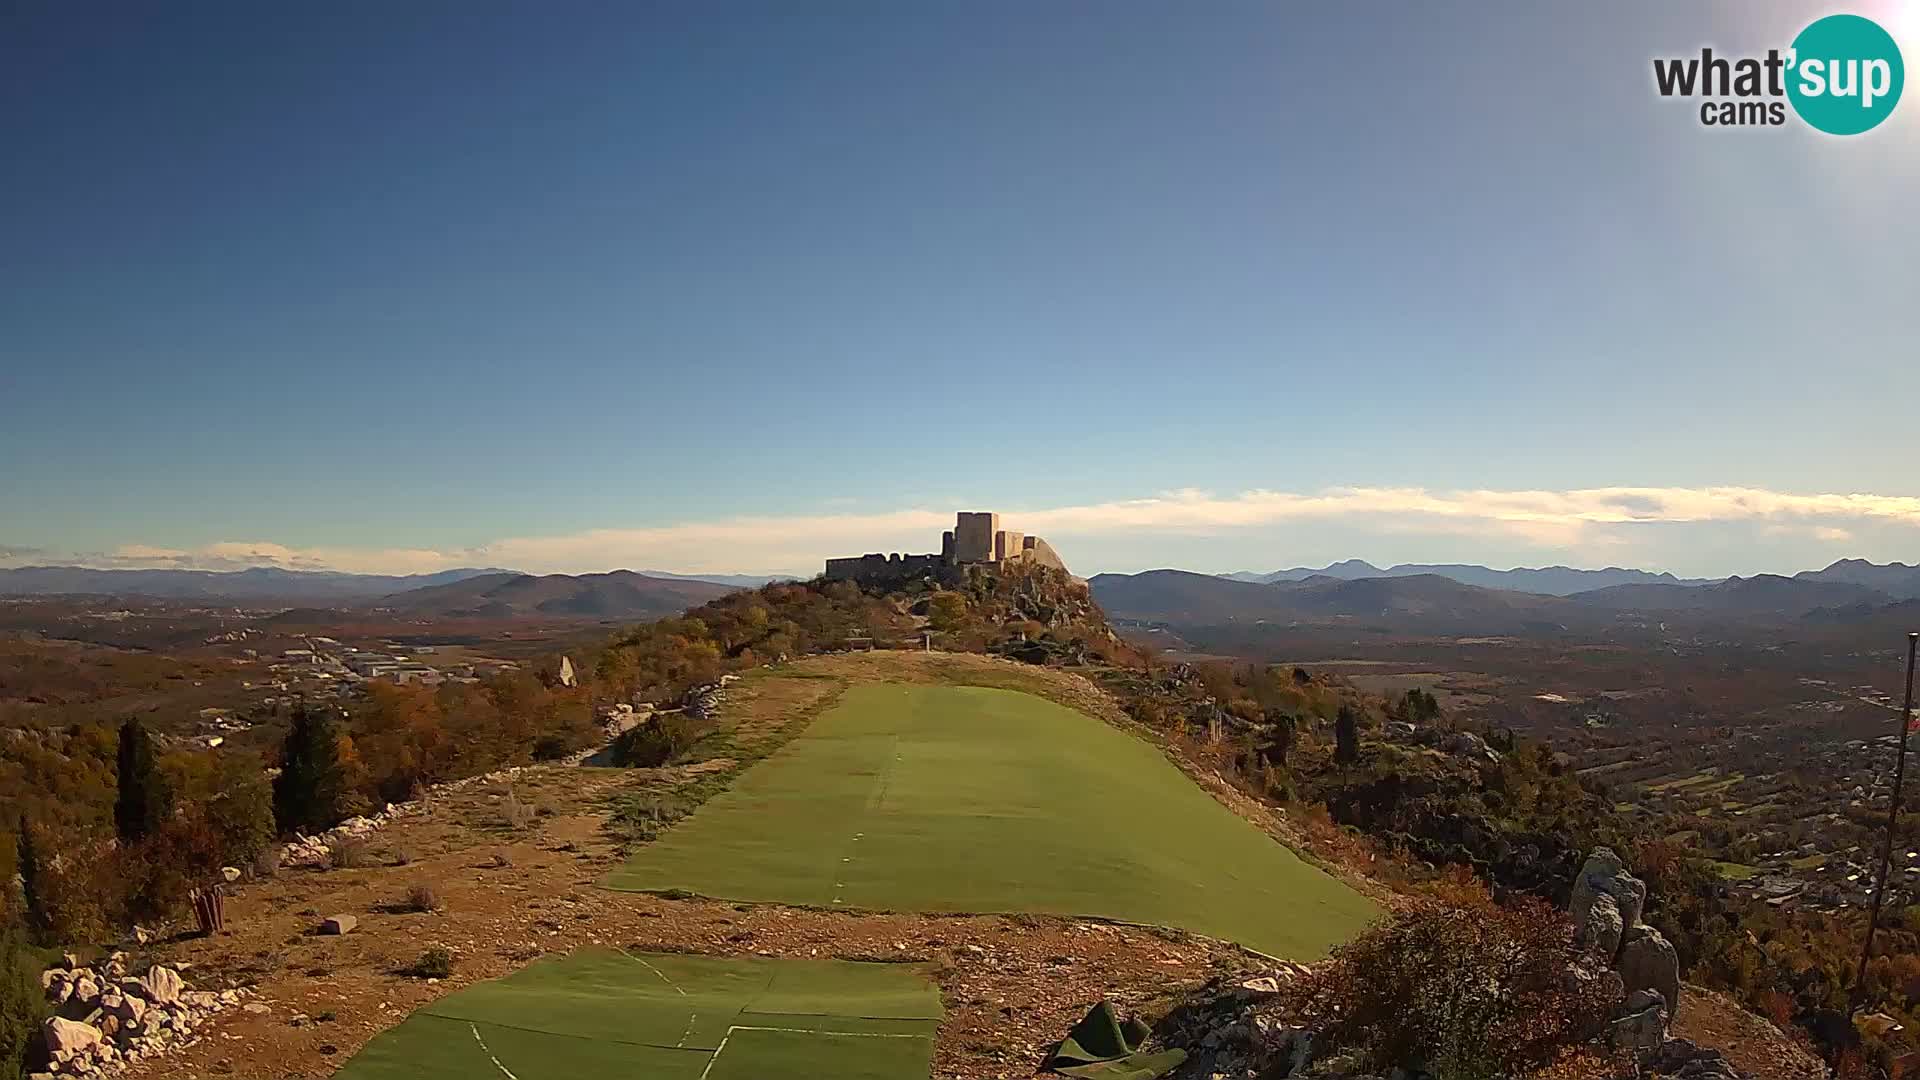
column 1605, row 873
column 1602, row 927
column 126, row 1008
column 86, row 990
column 1648, row 962
column 1680, row 1059
column 1642, row 1027
column 70, row 1036
column 338, row 924
column 1467, row 744
column 162, row 985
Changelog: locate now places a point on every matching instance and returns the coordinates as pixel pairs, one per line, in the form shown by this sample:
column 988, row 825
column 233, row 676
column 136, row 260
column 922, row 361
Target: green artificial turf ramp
column 968, row 799
column 613, row 1015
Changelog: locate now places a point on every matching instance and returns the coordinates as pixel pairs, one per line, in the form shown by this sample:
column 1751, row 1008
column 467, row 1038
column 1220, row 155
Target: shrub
column 81, row 894
column 518, row 815
column 423, row 897
column 640, row 819
column 347, row 853
column 551, row 747
column 435, row 963
column 658, row 741
column 1463, row 992
column 240, row 810
column 157, row 873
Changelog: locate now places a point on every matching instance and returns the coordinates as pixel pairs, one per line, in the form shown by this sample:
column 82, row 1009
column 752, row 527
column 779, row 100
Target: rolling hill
column 621, row 594
column 1427, row 601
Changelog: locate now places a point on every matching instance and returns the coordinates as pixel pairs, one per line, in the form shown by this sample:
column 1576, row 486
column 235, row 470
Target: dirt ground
column 1751, row 1043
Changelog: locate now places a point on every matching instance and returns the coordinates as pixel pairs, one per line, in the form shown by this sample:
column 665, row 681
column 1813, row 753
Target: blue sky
column 579, row 285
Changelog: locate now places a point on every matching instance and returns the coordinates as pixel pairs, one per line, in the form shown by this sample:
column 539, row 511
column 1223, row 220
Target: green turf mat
column 1100, row 1047
column 942, row 798
column 651, row 1016
column 436, row 1048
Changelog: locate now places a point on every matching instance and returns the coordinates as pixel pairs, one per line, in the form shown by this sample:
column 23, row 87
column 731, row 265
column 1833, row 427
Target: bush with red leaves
column 1462, row 992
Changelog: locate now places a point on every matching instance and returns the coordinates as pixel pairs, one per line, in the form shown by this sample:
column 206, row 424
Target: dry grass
column 423, row 897
column 347, row 853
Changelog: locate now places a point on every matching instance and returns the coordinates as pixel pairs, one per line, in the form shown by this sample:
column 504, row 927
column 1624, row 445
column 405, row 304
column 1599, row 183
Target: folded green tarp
column 1100, row 1047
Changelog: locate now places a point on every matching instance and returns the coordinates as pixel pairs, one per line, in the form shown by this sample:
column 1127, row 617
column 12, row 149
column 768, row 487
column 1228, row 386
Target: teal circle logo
column 1846, row 74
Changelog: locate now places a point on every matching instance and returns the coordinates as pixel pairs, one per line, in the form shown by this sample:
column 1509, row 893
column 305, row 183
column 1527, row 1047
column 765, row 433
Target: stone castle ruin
column 976, row 539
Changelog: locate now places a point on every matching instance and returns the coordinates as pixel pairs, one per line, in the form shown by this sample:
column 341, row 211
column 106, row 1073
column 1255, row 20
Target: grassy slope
column 969, row 799
column 667, row 1016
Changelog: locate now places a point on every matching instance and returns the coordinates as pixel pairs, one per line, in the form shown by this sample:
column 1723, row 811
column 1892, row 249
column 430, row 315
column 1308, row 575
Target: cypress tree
column 22, row 1002
column 144, row 803
column 312, row 785
column 29, row 859
column 1346, row 736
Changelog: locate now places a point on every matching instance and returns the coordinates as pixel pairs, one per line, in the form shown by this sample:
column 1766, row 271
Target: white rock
column 162, row 985
column 70, row 1036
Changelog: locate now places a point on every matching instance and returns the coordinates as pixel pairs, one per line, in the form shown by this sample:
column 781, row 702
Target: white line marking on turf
column 656, row 971
column 836, row 1034
column 718, row 1050
column 692, row 1019
column 504, row 1071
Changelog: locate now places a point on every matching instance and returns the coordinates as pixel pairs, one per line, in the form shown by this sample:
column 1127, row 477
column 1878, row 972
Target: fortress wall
column 881, row 569
column 973, row 537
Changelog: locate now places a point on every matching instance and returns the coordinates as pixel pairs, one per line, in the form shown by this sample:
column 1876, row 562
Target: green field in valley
column 968, row 799
column 614, row 1015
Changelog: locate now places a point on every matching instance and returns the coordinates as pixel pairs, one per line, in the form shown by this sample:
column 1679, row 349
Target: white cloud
column 1578, row 520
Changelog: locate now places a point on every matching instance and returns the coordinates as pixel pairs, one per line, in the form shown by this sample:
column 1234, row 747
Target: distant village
column 326, row 668
column 326, row 658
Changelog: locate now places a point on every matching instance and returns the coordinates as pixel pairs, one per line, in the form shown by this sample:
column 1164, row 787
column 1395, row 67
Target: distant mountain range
column 1895, row 579
column 621, row 594
column 271, row 585
column 1758, row 595
column 744, row 581
column 1441, row 600
column 1548, row 580
column 260, row 584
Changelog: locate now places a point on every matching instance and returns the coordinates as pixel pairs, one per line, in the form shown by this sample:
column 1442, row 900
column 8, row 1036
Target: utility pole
column 1886, row 851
